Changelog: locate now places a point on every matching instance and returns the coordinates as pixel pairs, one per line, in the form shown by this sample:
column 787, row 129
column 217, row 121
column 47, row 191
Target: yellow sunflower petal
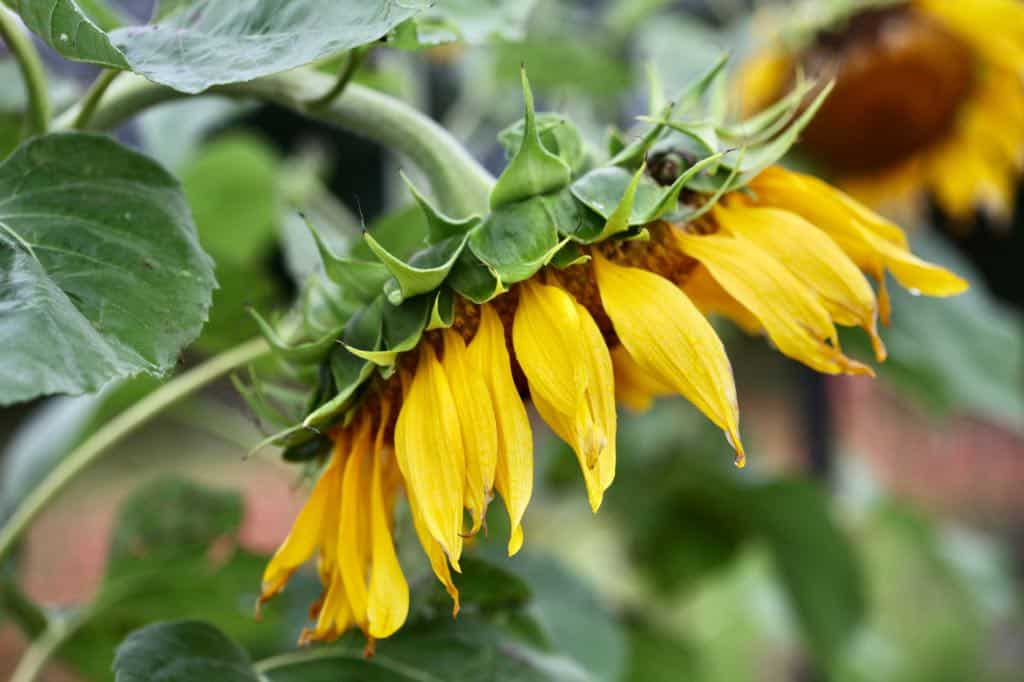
column 479, row 432
column 435, row 553
column 634, row 387
column 597, row 473
column 871, row 242
column 388, row 599
column 335, row 616
column 711, row 299
column 813, row 258
column 354, row 538
column 309, row 531
column 669, row 338
column 514, row 473
column 796, row 322
column 428, row 444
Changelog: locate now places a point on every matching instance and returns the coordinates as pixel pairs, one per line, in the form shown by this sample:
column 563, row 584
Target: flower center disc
column 900, row 81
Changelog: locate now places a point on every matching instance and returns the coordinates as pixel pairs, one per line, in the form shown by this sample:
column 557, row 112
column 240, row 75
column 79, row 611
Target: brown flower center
column 900, row 80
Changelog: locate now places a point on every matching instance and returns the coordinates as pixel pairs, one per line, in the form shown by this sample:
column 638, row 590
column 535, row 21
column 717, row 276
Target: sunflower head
column 928, row 95
column 586, row 285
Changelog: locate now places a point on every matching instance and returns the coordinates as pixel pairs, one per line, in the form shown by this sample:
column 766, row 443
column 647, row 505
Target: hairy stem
column 460, row 184
column 118, row 428
column 33, row 75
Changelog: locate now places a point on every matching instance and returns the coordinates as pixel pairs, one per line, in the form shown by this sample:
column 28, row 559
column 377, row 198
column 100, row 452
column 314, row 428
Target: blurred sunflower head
column 585, row 286
column 928, row 97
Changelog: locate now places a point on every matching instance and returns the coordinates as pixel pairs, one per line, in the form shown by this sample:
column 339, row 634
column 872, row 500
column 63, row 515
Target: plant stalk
column 459, row 183
column 33, row 75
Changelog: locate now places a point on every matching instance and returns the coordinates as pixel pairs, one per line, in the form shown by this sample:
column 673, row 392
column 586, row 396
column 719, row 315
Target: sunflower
column 929, row 97
column 585, row 287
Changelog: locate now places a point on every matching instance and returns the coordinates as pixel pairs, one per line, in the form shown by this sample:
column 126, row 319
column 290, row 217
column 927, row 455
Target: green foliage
column 202, row 44
column 690, row 517
column 470, row 21
column 175, row 554
column 180, row 652
column 111, row 280
column 232, row 189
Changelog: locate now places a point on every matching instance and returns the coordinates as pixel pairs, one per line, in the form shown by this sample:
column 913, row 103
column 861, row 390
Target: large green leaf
column 182, row 651
column 204, row 43
column 102, row 275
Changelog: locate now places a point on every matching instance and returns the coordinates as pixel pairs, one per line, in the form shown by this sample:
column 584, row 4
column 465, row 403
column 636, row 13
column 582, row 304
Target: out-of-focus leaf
column 12, row 102
column 658, row 657
column 103, row 276
column 182, row 651
column 466, row 649
column 209, row 42
column 558, row 64
column 471, row 21
column 191, row 120
column 232, row 189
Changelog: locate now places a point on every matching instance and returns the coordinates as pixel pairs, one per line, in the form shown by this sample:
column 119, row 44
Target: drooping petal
column 388, row 600
column 479, row 431
column 812, row 256
column 711, row 299
column 669, row 338
column 796, row 322
column 354, row 539
column 308, row 532
column 435, row 553
column 597, row 473
column 335, row 616
column 634, row 387
column 514, row 473
column 428, row 444
column 872, row 242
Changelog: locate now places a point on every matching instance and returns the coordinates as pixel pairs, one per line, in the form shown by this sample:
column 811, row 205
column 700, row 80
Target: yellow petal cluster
column 785, row 259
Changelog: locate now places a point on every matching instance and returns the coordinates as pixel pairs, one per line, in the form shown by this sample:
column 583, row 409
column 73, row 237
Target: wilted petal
column 308, row 532
column 476, row 416
column 435, row 553
column 428, row 443
column 388, row 602
column 669, row 338
column 812, row 256
column 796, row 322
column 514, row 473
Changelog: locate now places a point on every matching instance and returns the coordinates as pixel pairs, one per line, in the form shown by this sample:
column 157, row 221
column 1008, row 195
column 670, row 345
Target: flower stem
column 93, row 96
column 120, row 426
column 460, row 184
column 32, row 72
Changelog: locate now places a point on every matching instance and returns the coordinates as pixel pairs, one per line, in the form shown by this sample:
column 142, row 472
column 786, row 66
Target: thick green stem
column 118, row 428
column 462, row 186
column 33, row 74
column 93, row 97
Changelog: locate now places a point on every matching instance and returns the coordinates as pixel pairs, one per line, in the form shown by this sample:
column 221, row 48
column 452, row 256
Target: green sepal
column 317, row 446
column 361, row 277
column 425, row 271
column 474, row 279
column 769, row 122
column 570, row 254
column 625, row 199
column 516, row 240
column 558, row 135
column 442, row 313
column 403, row 327
column 301, row 354
column 533, row 170
column 709, row 202
column 324, row 307
column 633, row 154
column 364, row 330
column 439, row 225
column 615, row 142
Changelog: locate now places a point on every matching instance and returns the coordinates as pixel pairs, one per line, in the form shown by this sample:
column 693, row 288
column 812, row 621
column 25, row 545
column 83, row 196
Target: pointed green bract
column 299, row 353
column 403, row 327
column 364, row 278
column 533, row 170
column 558, row 135
column 474, row 279
column 439, row 225
column 424, row 272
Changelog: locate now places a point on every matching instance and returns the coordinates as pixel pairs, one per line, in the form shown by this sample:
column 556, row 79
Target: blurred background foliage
column 822, row 560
